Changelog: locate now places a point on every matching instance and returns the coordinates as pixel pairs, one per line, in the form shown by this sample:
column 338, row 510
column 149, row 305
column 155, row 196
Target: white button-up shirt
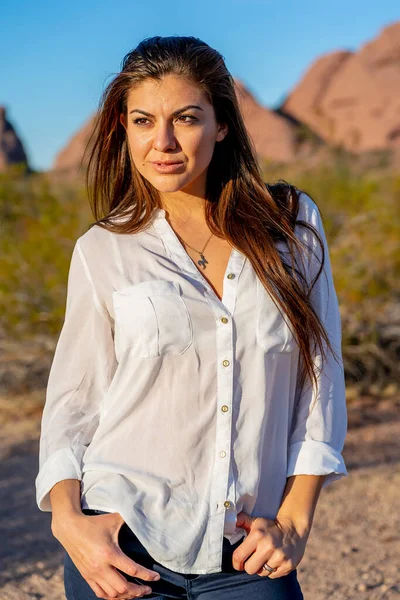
column 177, row 409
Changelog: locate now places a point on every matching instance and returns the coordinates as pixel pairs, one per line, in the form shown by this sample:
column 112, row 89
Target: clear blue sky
column 57, row 57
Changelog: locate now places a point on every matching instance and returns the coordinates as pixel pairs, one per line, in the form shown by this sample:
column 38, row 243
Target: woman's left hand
column 276, row 542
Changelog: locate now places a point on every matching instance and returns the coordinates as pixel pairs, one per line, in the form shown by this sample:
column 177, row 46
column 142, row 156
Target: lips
column 169, row 162
column 169, row 167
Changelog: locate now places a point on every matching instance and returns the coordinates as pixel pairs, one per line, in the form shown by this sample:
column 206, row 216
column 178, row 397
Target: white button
column 222, row 454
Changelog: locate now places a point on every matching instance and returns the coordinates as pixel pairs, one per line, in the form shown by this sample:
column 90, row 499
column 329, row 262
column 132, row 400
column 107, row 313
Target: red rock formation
column 11, row 148
column 348, row 99
column 71, row 155
column 274, row 137
column 351, row 99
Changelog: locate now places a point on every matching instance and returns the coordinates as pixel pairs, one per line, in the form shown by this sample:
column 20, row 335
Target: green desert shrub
column 41, row 219
column 361, row 215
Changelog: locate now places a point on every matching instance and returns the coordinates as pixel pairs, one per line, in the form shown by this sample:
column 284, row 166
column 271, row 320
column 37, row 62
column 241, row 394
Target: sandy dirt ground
column 353, row 551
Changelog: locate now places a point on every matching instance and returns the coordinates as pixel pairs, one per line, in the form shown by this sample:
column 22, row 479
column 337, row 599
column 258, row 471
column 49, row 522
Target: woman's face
column 172, row 120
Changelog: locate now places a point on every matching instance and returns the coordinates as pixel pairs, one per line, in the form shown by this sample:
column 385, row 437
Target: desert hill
column 11, row 148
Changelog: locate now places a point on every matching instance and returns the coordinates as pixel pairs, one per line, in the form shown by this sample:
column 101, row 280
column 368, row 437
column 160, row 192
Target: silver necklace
column 203, row 261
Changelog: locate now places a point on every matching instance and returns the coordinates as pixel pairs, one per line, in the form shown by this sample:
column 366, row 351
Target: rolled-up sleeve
column 82, row 368
column 319, row 425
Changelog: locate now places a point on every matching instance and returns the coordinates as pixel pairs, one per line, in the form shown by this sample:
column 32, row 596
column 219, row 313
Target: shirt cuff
column 316, row 458
column 63, row 464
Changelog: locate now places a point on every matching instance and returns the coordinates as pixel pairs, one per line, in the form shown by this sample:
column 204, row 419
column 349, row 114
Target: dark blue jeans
column 228, row 584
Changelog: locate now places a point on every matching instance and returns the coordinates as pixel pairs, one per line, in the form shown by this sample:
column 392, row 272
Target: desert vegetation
column 41, row 217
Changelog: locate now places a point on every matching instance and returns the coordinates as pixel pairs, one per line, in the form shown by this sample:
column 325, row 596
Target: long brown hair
column 239, row 207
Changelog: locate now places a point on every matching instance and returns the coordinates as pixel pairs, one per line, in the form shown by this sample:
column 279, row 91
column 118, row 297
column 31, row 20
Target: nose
column 164, row 137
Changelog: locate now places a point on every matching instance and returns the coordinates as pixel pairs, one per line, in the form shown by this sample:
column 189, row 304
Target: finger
column 255, row 563
column 122, row 562
column 130, row 596
column 276, row 574
column 243, row 552
column 275, row 562
column 132, row 590
column 109, row 589
column 265, row 572
column 245, row 521
column 282, row 570
column 257, row 538
column 98, row 590
column 122, row 585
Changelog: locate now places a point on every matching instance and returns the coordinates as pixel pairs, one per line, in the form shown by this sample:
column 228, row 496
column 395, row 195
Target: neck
column 184, row 208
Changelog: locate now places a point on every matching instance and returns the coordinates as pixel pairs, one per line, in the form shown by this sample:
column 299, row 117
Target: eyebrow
column 174, row 114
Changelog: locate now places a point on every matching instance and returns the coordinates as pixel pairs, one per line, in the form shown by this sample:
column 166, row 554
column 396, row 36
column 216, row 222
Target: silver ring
column 268, row 568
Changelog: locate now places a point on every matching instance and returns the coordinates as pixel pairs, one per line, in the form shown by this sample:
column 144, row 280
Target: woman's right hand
column 91, row 541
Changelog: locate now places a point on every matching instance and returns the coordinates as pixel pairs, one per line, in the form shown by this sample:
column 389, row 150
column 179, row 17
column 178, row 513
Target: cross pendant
column 202, row 262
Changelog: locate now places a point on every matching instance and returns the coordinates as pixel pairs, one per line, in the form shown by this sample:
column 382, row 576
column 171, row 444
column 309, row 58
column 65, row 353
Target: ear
column 222, row 132
column 122, row 120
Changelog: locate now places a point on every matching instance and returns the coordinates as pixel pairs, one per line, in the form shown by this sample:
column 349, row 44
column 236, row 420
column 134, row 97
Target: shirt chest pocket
column 152, row 318
column 272, row 331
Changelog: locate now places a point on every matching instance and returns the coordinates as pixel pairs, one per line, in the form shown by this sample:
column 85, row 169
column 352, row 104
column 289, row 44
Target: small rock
column 373, row 577
column 349, row 550
column 390, row 390
column 393, row 593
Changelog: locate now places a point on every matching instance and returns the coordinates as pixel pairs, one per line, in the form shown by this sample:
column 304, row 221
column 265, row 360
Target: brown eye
column 139, row 120
column 187, row 117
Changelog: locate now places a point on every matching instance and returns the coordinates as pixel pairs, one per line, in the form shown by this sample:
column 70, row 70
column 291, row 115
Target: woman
column 196, row 401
